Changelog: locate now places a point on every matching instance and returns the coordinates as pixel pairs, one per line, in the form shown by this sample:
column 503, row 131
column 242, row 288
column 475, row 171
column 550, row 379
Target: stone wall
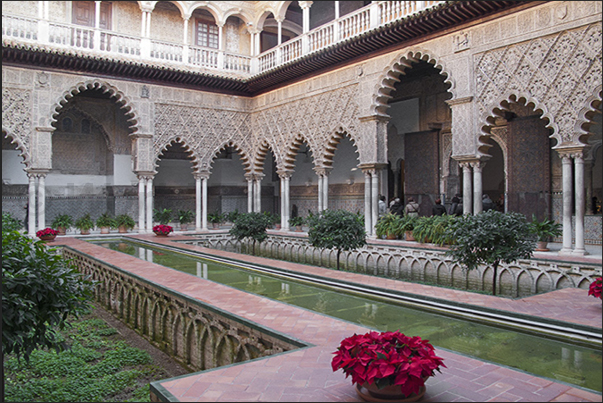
column 422, row 263
column 198, row 336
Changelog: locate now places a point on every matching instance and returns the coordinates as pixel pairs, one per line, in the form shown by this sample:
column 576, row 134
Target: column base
column 579, row 252
column 566, row 251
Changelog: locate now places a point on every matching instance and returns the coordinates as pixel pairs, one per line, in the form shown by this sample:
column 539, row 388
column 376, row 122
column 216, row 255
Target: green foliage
column 296, row 221
column 489, row 238
column 39, row 290
column 10, row 223
column 232, row 216
column 162, row 216
column 434, row 229
column 545, row 229
column 98, row 368
column 62, row 220
column 336, row 229
column 389, row 224
column 84, row 223
column 215, row 217
column 185, row 216
column 124, row 220
column 105, row 220
column 251, row 226
column 408, row 223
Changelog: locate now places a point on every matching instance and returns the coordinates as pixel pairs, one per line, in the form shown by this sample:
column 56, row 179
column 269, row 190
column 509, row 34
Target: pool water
column 576, row 365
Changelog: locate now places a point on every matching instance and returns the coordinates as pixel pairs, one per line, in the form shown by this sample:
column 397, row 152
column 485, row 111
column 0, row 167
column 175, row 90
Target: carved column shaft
column 467, row 189
column 141, row 204
column 31, row 209
column 580, row 201
column 566, row 166
column 368, row 222
column 41, row 201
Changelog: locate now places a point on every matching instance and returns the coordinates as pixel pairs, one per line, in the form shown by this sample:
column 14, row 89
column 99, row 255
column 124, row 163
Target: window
column 84, row 13
column 67, row 124
column 206, row 34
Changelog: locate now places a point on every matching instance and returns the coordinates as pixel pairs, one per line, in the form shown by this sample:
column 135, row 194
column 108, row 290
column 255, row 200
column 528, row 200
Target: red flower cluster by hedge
column 595, row 288
column 46, row 232
column 388, row 358
column 162, row 229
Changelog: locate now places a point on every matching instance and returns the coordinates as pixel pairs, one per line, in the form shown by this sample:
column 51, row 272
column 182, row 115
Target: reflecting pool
column 576, row 365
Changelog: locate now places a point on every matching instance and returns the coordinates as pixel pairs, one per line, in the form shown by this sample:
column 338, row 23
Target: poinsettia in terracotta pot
column 162, row 230
column 47, row 234
column 387, row 365
column 595, row 288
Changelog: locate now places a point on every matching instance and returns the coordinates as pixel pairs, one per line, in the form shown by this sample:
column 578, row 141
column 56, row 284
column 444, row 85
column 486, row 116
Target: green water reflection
column 537, row 355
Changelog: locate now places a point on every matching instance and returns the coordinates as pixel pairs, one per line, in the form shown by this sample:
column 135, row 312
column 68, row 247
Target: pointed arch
column 243, row 155
column 260, row 156
column 391, row 75
column 96, row 84
column 179, row 140
column 24, row 153
column 288, row 161
column 334, row 140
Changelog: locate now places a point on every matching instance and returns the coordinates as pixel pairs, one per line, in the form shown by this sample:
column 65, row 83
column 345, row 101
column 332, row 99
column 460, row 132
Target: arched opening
column 304, row 183
column 174, row 183
column 418, row 131
column 270, row 195
column 92, row 165
column 346, row 180
column 14, row 179
column 494, row 177
column 227, row 185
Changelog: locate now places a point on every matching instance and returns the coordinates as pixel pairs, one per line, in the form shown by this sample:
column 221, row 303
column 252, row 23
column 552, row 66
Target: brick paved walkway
column 306, row 375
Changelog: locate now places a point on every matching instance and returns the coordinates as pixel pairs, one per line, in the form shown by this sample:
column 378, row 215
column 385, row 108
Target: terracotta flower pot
column 122, row 229
column 409, row 236
column 159, row 234
column 392, row 393
column 62, row 230
column 541, row 246
column 391, row 236
column 105, row 230
column 85, row 232
column 48, row 238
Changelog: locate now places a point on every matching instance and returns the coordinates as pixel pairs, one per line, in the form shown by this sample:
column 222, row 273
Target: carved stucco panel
column 559, row 73
column 16, row 118
column 463, row 138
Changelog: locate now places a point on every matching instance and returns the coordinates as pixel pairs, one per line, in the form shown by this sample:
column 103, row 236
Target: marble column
column 368, row 222
column 249, row 194
column 325, row 190
column 257, row 196
column 566, row 170
column 198, row 202
column 467, row 193
column 287, row 210
column 204, row 206
column 477, row 186
column 588, row 183
column 149, row 206
column 141, row 204
column 320, row 192
column 374, row 200
column 580, row 202
column 41, row 201
column 31, row 218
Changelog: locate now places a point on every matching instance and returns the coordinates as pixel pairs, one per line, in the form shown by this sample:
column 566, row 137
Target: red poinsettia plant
column 387, row 358
column 46, row 232
column 595, row 288
column 162, row 229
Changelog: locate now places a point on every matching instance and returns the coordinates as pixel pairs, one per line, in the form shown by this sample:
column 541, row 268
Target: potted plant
column 162, row 230
column 595, row 288
column 105, row 222
column 62, row 223
column 276, row 221
column 296, row 222
column 84, row 224
column 544, row 230
column 387, row 365
column 388, row 226
column 185, row 217
column 162, row 216
column 232, row 216
column 124, row 223
column 407, row 225
column 215, row 218
column 47, row 234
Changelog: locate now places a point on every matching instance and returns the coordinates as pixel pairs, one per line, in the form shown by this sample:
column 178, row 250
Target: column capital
column 201, row 175
column 37, row 173
column 458, row 101
column 284, row 174
column 305, row 4
column 253, row 176
column 146, row 175
column 374, row 118
column 571, row 152
column 323, row 171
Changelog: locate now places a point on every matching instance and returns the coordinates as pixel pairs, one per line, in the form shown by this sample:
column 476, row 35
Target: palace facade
column 282, row 106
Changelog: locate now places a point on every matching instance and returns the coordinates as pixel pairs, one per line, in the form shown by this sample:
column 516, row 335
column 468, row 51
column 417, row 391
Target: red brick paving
column 305, row 374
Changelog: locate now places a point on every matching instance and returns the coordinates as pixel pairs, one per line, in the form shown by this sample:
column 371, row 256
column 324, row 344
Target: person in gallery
column 437, row 208
column 412, row 208
column 454, row 203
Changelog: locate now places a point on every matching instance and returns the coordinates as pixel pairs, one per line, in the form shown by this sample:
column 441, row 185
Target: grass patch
column 100, row 366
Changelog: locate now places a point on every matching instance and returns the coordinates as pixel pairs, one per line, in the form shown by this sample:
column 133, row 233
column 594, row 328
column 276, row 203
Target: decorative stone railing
column 421, row 263
column 198, row 336
column 108, row 43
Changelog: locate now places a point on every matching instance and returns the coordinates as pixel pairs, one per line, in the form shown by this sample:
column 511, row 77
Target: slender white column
column 250, row 195
column 141, row 203
column 287, row 210
column 305, row 18
column 467, row 195
column 368, row 216
column 258, row 195
column 185, row 31
column 197, row 203
column 280, row 32
column 148, row 27
column 325, row 191
column 374, row 200
column 282, row 193
column 31, row 210
column 41, row 201
column 221, row 44
column 204, row 191
column 579, row 190
column 97, row 6
column 143, row 25
column 320, row 193
column 477, row 187
column 149, row 207
column 566, row 170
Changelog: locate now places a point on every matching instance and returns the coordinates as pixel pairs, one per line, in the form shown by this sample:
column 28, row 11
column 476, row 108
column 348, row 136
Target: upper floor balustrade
column 108, row 43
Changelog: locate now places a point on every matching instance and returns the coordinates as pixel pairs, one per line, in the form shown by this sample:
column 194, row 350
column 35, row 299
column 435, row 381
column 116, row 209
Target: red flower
column 387, row 358
column 162, row 229
column 46, row 232
column 595, row 288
